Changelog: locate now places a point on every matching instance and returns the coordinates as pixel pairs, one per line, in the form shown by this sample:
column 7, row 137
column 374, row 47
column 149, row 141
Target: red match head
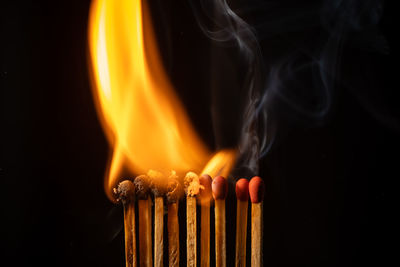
column 205, row 191
column 256, row 189
column 219, row 187
column 242, row 189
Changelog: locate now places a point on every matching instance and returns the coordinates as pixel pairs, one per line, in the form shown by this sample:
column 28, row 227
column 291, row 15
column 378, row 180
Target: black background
column 330, row 197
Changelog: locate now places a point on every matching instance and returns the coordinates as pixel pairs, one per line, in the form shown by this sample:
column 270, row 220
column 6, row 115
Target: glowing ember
column 144, row 120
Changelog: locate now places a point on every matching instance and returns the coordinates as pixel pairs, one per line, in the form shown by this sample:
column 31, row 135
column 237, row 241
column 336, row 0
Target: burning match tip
column 174, row 190
column 142, row 184
column 256, row 189
column 205, row 189
column 219, row 187
column 191, row 184
column 242, row 189
column 158, row 183
column 125, row 191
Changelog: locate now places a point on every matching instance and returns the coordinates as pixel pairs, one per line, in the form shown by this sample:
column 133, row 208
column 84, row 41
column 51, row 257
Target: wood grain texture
column 205, row 235
column 220, row 233
column 191, row 224
column 256, row 235
column 130, row 234
column 241, row 233
column 173, row 235
column 158, row 231
column 145, row 253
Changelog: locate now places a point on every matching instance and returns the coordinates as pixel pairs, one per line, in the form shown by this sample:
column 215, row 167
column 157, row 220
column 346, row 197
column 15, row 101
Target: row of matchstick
column 198, row 190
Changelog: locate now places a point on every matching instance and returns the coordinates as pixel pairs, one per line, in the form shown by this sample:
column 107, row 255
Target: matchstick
column 174, row 193
column 242, row 195
column 158, row 231
column 126, row 194
column 205, row 198
column 158, row 188
column 219, row 191
column 192, row 189
column 256, row 190
column 142, row 184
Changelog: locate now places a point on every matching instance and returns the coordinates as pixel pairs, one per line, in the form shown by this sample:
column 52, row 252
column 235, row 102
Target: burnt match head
column 142, row 185
column 158, row 183
column 219, row 187
column 192, row 184
column 242, row 189
column 174, row 190
column 256, row 189
column 205, row 187
column 125, row 191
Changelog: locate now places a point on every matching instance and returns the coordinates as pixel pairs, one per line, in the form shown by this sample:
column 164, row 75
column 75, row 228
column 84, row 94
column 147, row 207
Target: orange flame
column 144, row 120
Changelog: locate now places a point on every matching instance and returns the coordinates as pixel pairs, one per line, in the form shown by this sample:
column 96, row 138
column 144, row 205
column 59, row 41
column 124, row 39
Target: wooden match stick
column 192, row 189
column 142, row 184
column 174, row 193
column 158, row 188
column 205, row 198
column 125, row 193
column 242, row 195
column 158, row 231
column 219, row 191
column 256, row 190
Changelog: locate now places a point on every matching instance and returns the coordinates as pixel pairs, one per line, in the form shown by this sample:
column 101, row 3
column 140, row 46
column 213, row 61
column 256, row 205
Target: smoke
column 288, row 57
column 231, row 30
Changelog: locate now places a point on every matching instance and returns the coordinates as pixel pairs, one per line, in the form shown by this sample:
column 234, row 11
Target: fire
column 144, row 120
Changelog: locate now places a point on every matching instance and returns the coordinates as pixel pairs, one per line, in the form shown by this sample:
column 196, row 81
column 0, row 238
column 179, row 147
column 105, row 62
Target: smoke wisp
column 288, row 56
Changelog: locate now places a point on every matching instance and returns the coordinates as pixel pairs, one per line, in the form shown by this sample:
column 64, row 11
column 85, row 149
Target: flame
column 144, row 120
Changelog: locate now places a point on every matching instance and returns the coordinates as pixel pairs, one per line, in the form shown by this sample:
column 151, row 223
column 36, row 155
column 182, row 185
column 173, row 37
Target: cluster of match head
column 199, row 191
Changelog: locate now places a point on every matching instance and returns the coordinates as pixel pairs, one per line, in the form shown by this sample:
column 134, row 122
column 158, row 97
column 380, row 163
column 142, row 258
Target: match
column 242, row 195
column 142, row 184
column 256, row 190
column 219, row 191
column 158, row 188
column 192, row 189
column 174, row 193
column 205, row 201
column 125, row 193
column 198, row 190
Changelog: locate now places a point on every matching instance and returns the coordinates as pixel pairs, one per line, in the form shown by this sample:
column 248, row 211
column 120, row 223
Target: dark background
column 330, row 197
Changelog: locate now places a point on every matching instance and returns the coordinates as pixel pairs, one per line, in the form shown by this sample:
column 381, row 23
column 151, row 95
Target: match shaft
column 130, row 234
column 220, row 233
column 241, row 230
column 256, row 234
column 158, row 231
column 145, row 232
column 205, row 236
column 173, row 234
column 191, row 240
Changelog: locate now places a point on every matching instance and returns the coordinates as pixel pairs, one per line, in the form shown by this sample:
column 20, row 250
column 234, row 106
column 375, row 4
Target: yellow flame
column 144, row 120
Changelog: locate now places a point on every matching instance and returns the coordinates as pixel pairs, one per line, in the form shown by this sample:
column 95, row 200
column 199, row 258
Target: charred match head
column 219, row 187
column 125, row 192
column 256, row 189
column 242, row 189
column 192, row 184
column 158, row 183
column 174, row 189
column 142, row 185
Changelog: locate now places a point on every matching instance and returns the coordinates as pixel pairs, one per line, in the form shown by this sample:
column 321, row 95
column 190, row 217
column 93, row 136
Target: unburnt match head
column 192, row 184
column 242, row 189
column 174, row 189
column 256, row 189
column 142, row 185
column 219, row 187
column 125, row 192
